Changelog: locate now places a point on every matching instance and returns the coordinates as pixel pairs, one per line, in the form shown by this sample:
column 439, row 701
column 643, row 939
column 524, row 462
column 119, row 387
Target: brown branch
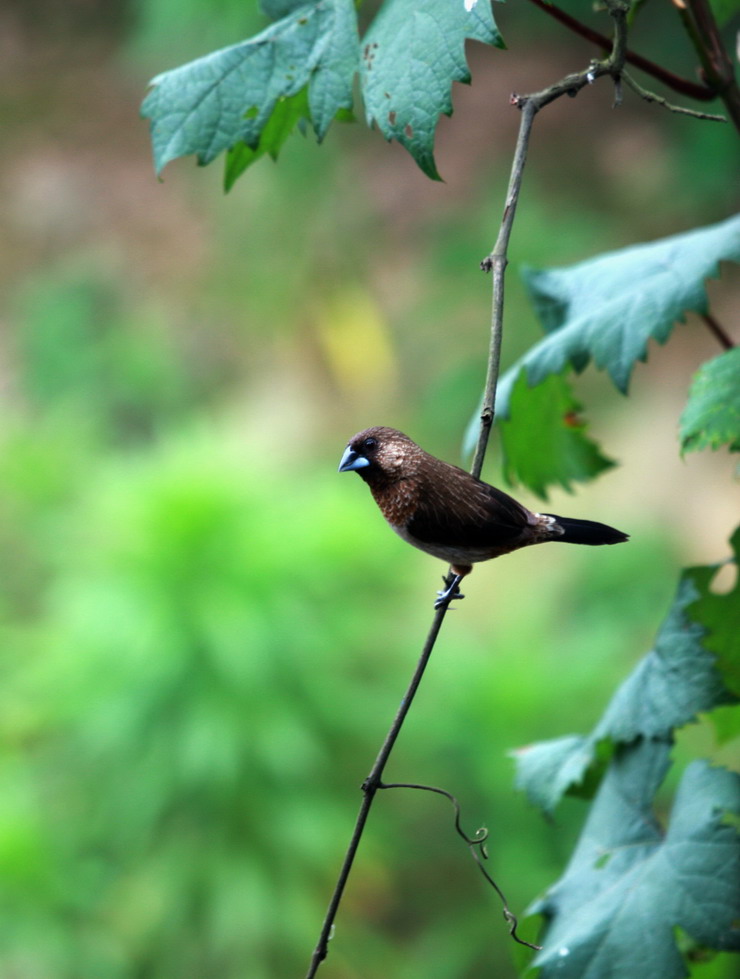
column 369, row 787
column 497, row 261
column 717, row 66
column 714, row 327
column 702, row 93
column 572, row 84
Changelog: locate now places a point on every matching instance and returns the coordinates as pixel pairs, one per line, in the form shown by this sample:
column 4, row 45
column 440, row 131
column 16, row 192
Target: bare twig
column 369, row 788
column 724, row 338
column 652, row 97
column 702, row 93
column 476, row 845
column 495, row 262
column 717, row 65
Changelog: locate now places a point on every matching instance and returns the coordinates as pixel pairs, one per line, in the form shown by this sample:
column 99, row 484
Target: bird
column 445, row 511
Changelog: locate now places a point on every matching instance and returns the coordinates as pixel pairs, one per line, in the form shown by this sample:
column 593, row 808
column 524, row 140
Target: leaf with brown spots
column 418, row 51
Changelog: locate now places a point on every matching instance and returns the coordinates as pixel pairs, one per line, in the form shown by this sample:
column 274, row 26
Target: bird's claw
column 449, row 594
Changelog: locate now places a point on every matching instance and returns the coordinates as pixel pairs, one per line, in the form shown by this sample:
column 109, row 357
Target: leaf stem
column 714, row 327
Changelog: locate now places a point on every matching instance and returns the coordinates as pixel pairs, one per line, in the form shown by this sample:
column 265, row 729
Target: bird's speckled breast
column 398, row 501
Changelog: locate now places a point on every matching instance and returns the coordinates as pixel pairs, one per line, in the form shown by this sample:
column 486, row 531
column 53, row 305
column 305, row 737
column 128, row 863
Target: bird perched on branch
column 443, row 510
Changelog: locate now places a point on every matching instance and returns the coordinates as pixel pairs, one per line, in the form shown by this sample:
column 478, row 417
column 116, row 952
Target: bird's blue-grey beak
column 352, row 460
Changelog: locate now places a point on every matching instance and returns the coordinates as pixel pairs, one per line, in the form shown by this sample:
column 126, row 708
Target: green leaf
column 723, row 10
column 607, row 309
column 726, row 723
column 711, row 417
column 628, row 886
column 544, row 440
column 411, row 54
column 719, row 616
column 229, row 96
column 287, row 114
column 670, row 685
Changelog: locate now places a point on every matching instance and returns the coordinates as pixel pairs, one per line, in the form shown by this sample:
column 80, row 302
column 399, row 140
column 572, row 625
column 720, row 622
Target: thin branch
column 369, row 788
column 652, row 97
column 495, row 262
column 724, row 338
column 476, row 845
column 717, row 65
column 702, row 93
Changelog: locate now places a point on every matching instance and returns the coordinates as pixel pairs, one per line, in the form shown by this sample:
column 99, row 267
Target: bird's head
column 378, row 454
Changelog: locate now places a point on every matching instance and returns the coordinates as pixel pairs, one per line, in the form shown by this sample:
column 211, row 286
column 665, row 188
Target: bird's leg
column 451, row 591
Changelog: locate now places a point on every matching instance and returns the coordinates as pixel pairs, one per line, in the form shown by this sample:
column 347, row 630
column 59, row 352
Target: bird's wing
column 460, row 511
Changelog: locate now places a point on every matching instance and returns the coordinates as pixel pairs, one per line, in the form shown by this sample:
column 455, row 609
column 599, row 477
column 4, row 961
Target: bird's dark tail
column 587, row 532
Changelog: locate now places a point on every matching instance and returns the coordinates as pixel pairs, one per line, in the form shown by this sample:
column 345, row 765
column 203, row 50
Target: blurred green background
column 205, row 630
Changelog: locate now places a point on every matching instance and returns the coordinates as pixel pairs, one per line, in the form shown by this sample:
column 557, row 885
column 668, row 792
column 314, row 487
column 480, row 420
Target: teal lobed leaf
column 670, row 685
column 608, row 308
column 711, row 417
column 411, row 54
column 228, row 97
column 675, row 681
column 548, row 769
column 544, row 438
column 629, row 886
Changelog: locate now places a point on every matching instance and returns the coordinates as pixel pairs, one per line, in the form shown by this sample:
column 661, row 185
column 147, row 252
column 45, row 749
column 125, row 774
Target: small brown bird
column 443, row 510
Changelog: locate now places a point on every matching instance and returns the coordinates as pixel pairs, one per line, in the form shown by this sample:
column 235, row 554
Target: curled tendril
column 478, row 851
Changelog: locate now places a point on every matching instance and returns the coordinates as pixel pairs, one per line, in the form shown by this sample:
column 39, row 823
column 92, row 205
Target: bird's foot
column 450, row 593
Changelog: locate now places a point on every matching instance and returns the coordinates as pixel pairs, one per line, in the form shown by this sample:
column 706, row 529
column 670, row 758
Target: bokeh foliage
column 205, row 631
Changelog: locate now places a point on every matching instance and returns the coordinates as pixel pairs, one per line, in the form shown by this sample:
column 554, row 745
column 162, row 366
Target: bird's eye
column 369, row 443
